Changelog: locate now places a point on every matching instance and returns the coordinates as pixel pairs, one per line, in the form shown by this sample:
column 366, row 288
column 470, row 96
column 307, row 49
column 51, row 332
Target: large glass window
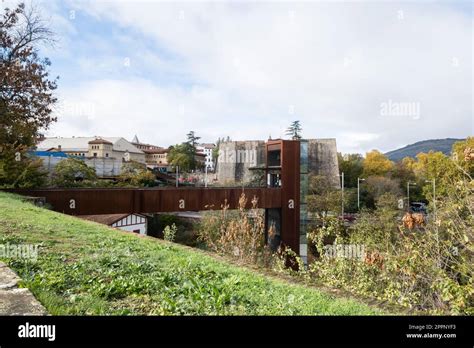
column 304, row 185
column 274, row 158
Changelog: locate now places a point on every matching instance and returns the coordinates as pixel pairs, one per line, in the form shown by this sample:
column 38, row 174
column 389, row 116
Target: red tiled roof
column 100, row 141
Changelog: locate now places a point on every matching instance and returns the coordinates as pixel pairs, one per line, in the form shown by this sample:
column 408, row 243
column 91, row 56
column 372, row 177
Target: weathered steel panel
column 88, row 201
column 290, row 185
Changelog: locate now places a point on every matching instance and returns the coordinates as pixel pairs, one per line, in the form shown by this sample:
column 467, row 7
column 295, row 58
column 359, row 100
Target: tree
column 26, row 95
column 387, row 201
column 350, row 200
column 19, row 171
column 294, row 130
column 377, row 186
column 182, row 155
column 376, row 163
column 73, row 172
column 135, row 174
column 352, row 165
column 26, row 92
column 404, row 171
column 323, row 197
column 463, row 152
column 438, row 166
column 192, row 139
column 257, row 178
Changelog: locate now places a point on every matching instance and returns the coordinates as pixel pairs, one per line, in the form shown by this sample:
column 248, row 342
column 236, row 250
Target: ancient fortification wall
column 322, row 154
column 235, row 157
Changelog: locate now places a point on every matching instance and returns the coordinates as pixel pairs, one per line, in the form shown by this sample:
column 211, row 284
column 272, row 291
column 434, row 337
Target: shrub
column 429, row 268
column 169, row 233
column 135, row 174
column 239, row 234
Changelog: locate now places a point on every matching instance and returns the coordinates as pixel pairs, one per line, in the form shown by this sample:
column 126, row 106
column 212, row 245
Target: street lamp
column 358, row 192
column 408, row 194
column 342, row 194
column 433, row 182
column 177, row 176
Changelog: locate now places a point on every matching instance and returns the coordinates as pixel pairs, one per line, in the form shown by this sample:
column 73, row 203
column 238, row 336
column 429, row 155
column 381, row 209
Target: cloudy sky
column 370, row 74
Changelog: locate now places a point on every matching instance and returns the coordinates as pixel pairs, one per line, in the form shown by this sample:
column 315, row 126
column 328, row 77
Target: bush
column 429, row 268
column 135, row 174
column 239, row 234
column 169, row 233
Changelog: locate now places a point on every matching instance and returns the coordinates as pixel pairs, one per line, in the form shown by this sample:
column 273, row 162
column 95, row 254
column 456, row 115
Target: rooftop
column 82, row 144
column 106, row 219
column 100, row 141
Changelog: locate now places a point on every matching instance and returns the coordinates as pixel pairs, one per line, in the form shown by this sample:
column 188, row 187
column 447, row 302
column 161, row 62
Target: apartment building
column 207, row 150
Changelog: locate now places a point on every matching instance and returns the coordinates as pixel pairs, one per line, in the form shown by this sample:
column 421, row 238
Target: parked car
column 418, row 207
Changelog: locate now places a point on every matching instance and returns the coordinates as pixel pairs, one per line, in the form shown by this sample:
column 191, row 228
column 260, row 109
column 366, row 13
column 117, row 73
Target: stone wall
column 235, row 159
column 322, row 156
column 231, row 168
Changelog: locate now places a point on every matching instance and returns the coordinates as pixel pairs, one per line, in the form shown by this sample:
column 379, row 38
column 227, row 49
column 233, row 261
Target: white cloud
column 332, row 63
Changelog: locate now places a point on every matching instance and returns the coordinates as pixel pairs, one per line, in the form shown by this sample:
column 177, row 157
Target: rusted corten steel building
column 281, row 198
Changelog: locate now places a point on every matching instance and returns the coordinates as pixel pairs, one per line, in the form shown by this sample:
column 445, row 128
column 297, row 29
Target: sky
column 373, row 75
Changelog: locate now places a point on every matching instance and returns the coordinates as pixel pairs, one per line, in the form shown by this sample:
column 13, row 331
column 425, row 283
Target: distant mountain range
column 443, row 145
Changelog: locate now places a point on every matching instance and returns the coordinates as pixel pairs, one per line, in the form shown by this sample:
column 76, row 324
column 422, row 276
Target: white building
column 136, row 223
column 207, row 150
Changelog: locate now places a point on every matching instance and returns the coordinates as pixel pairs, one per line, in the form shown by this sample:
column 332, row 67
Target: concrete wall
column 104, row 167
column 322, row 155
column 235, row 159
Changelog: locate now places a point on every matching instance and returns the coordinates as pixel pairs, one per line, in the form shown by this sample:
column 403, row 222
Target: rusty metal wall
column 85, row 201
column 290, row 197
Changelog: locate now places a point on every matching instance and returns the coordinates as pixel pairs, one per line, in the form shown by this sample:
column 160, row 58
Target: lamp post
column 358, row 192
column 408, row 194
column 177, row 176
column 433, row 182
column 342, row 195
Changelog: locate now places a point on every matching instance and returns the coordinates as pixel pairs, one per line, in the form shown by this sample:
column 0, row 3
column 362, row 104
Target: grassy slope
column 87, row 268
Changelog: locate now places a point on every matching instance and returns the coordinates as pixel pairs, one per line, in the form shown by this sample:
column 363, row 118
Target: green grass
column 84, row 268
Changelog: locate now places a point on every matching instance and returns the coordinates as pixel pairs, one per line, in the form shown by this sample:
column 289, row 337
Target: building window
column 95, row 154
column 106, row 155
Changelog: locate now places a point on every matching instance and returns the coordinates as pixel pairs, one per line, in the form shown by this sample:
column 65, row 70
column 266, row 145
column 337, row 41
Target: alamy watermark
column 400, row 109
column 80, row 109
column 227, row 155
column 19, row 251
column 345, row 251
